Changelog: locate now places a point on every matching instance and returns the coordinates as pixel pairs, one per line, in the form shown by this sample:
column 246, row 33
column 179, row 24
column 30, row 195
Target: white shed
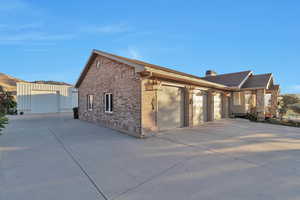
column 45, row 98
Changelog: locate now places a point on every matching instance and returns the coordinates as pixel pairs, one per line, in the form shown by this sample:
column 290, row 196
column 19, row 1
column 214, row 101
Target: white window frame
column 90, row 102
column 98, row 64
column 237, row 101
column 108, row 109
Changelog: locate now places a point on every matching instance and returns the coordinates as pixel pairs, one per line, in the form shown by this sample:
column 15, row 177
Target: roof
column 51, row 83
column 258, row 81
column 231, row 80
column 139, row 65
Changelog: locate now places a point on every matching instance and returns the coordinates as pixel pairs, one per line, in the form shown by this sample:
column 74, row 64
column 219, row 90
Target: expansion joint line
column 98, row 189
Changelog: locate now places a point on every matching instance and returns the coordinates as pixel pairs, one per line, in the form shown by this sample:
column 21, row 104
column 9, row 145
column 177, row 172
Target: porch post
column 260, row 107
column 188, row 107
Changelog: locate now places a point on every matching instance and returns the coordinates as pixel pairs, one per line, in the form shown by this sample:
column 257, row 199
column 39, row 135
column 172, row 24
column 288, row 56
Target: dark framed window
column 108, row 102
column 90, row 102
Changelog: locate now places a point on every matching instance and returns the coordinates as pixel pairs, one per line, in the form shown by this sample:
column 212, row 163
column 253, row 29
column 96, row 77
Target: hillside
column 9, row 82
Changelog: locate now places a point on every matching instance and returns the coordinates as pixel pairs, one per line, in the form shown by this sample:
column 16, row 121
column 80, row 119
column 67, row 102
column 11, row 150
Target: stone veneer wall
column 125, row 85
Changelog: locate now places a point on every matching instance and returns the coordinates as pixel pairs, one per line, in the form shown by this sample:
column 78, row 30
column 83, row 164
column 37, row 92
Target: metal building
column 45, row 98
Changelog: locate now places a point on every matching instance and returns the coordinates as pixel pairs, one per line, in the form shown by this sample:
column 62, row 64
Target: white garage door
column 217, row 106
column 199, row 108
column 44, row 101
column 170, row 108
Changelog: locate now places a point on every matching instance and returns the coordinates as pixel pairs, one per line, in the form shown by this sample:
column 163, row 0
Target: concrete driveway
column 55, row 157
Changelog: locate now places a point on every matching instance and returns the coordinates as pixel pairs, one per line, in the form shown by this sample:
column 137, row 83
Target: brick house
column 139, row 98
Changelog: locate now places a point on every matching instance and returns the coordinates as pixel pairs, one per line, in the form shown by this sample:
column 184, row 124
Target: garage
column 45, row 98
column 43, row 101
column 217, row 103
column 170, row 111
column 199, row 108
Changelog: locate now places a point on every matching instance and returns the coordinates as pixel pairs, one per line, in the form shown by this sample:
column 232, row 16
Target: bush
column 3, row 121
column 252, row 117
column 75, row 113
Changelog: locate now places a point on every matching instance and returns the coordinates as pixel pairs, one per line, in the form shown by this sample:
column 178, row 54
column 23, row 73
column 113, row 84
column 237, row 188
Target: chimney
column 211, row 73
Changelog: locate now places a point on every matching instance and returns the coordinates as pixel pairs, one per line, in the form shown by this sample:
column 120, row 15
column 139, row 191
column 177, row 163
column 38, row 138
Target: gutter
column 182, row 79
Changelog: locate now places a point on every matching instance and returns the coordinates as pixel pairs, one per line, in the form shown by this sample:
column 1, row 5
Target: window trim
column 90, row 102
column 110, row 103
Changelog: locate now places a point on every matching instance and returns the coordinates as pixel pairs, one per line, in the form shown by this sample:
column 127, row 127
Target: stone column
column 188, row 107
column 225, row 105
column 260, row 104
column 210, row 106
column 274, row 102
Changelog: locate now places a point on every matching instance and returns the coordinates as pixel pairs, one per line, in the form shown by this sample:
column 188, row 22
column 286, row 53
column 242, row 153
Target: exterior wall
column 67, row 96
column 125, row 85
column 238, row 109
column 149, row 104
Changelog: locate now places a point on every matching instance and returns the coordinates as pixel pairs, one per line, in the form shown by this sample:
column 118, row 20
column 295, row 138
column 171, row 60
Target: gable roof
column 230, row 80
column 258, row 81
column 139, row 67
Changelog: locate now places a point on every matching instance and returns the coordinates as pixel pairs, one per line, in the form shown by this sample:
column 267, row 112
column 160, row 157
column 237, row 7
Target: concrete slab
column 56, row 157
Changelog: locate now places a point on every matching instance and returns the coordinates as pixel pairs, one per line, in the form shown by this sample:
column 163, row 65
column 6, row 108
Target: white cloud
column 20, row 27
column 133, row 52
column 13, row 5
column 35, row 50
column 296, row 87
column 113, row 28
column 33, row 36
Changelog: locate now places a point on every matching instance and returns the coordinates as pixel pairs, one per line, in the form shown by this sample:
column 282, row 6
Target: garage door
column 44, row 101
column 170, row 108
column 199, row 108
column 217, row 106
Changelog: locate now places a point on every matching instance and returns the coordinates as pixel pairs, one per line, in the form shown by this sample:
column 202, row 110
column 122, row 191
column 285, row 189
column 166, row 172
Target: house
column 139, row 98
column 41, row 97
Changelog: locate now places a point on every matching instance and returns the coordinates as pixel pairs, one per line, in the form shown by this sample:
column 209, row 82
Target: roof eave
column 138, row 68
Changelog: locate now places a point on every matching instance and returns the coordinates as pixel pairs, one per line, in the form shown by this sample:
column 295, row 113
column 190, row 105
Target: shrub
column 7, row 103
column 3, row 121
column 252, row 117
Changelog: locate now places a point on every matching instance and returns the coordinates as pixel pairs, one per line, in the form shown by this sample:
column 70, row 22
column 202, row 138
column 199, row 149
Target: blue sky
column 52, row 40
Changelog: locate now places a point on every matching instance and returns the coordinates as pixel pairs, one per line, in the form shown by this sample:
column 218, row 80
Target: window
column 108, row 102
column 98, row 64
column 237, row 98
column 90, row 102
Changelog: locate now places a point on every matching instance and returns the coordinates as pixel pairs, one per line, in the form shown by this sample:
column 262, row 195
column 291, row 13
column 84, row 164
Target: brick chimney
column 210, row 73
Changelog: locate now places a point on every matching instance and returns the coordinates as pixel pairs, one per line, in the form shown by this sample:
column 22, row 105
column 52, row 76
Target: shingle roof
column 139, row 64
column 149, row 65
column 258, row 81
column 230, row 80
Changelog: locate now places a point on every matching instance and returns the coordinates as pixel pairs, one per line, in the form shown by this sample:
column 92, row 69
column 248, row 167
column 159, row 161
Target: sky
column 52, row 40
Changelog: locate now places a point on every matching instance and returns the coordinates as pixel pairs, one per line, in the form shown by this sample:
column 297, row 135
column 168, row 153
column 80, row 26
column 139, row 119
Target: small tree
column 7, row 101
column 3, row 121
column 286, row 102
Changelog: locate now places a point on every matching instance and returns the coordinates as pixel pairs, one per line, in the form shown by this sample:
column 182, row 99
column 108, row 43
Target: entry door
column 217, row 106
column 44, row 101
column 199, row 108
column 170, row 107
